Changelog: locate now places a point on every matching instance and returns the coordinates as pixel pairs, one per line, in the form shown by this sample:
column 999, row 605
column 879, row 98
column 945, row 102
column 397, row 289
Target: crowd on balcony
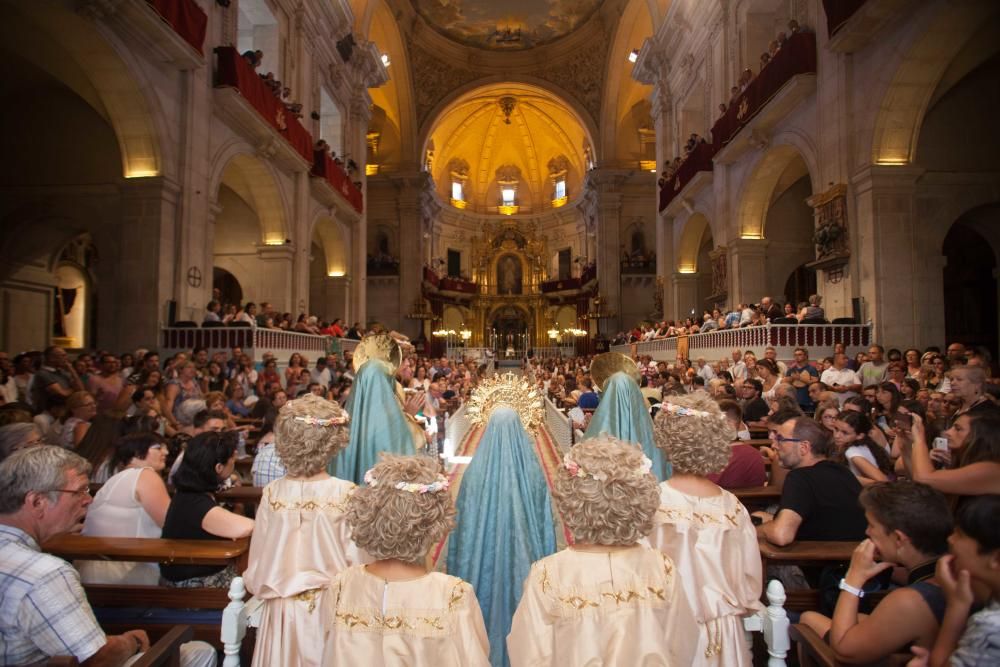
column 255, row 58
column 768, row 311
column 670, row 167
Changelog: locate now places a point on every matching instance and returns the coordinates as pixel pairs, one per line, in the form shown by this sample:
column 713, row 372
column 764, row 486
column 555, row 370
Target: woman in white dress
column 132, row 503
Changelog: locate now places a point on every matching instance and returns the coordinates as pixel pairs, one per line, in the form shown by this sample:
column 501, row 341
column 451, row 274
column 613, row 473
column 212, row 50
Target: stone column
column 748, row 270
column 301, row 244
column 894, row 273
column 684, row 295
column 665, row 263
column 278, row 266
column 604, row 200
column 337, row 294
column 355, row 145
column 148, row 267
column 408, row 200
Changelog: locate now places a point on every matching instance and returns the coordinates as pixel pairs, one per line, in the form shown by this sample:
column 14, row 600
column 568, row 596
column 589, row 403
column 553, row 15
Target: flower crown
column 682, row 411
column 440, row 484
column 575, row 470
column 321, row 421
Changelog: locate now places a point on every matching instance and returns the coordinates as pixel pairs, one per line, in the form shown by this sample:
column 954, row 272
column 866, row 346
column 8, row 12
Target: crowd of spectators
column 842, row 434
column 768, row 311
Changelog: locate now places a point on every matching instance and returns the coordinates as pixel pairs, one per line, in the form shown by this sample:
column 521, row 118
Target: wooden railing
column 819, row 339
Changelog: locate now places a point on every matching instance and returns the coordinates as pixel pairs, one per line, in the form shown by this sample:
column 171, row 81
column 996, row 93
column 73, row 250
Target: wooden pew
column 151, row 550
column 814, row 652
column 804, row 554
column 757, row 497
column 166, row 651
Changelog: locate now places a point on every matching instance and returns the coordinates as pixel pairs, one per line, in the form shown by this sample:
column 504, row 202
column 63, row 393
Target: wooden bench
column 154, row 550
column 166, row 651
column 814, row 652
column 757, row 497
column 804, row 554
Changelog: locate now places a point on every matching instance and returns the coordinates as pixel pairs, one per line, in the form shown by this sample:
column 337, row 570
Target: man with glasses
column 819, row 498
column 44, row 491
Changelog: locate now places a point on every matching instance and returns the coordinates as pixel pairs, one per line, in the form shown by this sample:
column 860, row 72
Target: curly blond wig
column 694, row 435
column 391, row 523
column 610, row 497
column 305, row 448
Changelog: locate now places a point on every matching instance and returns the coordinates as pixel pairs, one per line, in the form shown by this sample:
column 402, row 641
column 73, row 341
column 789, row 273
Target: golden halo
column 605, row 365
column 378, row 346
column 506, row 391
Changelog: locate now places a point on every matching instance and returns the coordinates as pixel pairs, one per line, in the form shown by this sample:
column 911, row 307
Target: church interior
column 497, row 256
column 503, row 171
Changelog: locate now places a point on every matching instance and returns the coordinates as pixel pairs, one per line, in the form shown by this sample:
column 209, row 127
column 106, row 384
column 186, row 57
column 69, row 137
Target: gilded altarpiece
column 508, row 264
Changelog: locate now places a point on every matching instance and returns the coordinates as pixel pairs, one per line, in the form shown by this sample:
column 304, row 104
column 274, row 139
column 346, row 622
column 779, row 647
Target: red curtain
column 186, row 17
column 236, row 72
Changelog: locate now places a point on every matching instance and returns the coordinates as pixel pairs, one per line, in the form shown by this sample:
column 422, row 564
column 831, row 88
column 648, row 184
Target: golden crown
column 507, row 391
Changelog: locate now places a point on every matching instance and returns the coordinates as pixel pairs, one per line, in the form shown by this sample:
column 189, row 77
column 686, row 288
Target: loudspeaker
column 171, row 312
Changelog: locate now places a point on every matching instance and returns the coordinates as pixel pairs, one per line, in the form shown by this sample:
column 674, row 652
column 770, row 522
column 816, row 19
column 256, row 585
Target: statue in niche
column 508, row 275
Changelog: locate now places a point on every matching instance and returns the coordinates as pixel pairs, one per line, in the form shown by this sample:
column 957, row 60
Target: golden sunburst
column 510, row 391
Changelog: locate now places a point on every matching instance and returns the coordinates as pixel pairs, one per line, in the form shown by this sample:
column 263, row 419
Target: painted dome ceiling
column 511, row 25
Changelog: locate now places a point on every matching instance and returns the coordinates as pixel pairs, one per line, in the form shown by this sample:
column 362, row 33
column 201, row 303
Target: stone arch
column 334, row 240
column 88, row 60
column 916, row 77
column 690, row 243
column 759, row 186
column 378, row 24
column 256, row 183
column 621, row 91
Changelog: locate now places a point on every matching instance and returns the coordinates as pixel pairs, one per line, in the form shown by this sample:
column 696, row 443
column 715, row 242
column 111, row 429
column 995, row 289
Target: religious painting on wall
column 510, row 26
column 509, row 275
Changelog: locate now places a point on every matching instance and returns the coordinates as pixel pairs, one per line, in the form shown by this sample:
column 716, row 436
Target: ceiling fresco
column 511, row 25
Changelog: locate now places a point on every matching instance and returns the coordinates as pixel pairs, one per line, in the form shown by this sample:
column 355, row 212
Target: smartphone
column 904, row 421
column 940, row 442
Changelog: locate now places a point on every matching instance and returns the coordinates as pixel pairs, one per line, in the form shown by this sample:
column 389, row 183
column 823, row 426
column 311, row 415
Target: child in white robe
column 393, row 611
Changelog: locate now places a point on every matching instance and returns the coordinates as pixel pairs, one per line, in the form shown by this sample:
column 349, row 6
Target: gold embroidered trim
column 379, row 622
column 309, row 505
column 457, row 595
column 308, row 597
column 703, row 518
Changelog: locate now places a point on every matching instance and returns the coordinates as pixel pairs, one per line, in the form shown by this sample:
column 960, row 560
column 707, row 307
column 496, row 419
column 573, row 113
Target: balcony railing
column 700, row 159
column 589, row 273
column 186, row 18
column 253, row 341
column 819, row 339
column 797, row 56
column 235, row 72
column 324, row 167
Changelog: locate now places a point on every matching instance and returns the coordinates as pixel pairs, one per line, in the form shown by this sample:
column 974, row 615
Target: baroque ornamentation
column 437, row 78
column 831, row 237
column 506, row 391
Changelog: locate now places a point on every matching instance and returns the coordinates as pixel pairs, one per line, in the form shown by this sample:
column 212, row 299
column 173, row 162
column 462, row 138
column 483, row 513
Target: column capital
column 678, row 278
column 886, row 177
column 276, row 252
column 748, row 247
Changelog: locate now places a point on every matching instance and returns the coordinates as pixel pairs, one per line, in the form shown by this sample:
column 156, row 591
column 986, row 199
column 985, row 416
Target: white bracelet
column 844, row 586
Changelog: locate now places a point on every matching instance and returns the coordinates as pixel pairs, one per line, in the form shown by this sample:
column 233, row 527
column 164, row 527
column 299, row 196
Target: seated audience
column 194, row 515
column 908, row 526
column 98, row 446
column 870, row 462
column 43, row 493
column 627, row 594
column 746, row 465
column 970, row 577
column 819, row 498
column 18, row 436
column 267, row 465
column 402, row 512
column 301, row 513
column 133, row 503
column 705, row 530
column 812, row 311
column 974, row 446
column 82, row 408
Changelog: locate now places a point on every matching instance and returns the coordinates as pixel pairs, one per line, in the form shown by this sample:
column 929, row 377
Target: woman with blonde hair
column 82, row 408
column 301, row 539
column 393, row 611
column 605, row 600
column 706, row 530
